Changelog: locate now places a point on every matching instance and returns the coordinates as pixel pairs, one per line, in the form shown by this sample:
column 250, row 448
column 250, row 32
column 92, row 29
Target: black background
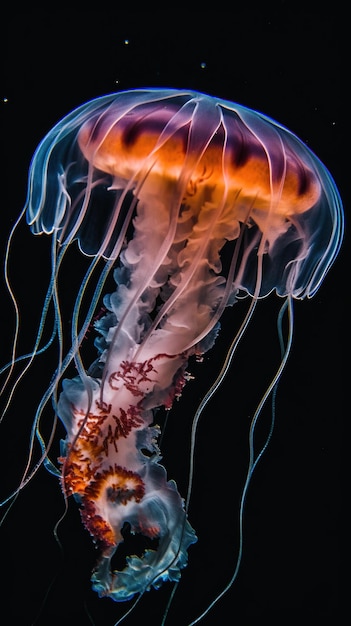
column 287, row 63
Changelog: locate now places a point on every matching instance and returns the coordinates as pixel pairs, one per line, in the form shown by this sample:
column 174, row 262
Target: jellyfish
column 182, row 204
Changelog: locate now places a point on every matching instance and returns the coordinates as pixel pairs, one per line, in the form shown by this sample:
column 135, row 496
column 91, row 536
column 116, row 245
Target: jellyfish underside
column 201, row 201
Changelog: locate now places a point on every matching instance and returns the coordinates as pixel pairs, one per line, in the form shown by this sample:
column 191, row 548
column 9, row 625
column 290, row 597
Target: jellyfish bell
column 186, row 151
column 190, row 200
